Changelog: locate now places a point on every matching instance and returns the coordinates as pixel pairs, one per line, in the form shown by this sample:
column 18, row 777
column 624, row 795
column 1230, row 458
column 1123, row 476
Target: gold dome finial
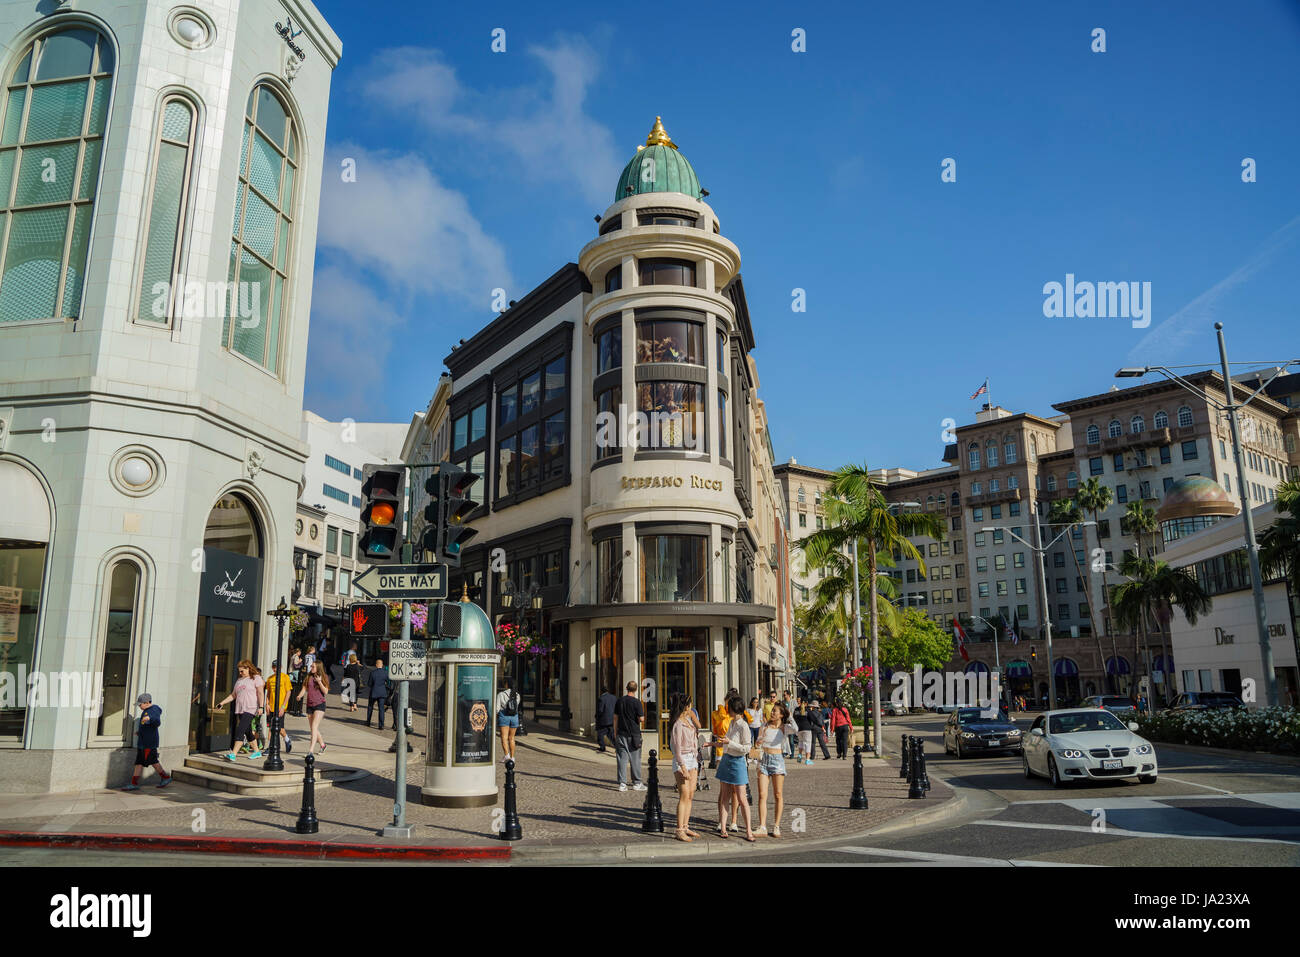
column 658, row 135
column 464, row 590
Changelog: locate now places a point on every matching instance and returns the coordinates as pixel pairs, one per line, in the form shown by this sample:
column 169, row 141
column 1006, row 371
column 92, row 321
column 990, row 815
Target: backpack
column 512, row 705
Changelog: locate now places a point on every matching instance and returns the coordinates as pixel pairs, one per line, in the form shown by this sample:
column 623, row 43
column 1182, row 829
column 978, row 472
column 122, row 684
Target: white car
column 1086, row 743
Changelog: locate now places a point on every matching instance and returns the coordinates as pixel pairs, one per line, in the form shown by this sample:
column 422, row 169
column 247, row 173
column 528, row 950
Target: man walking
column 277, row 692
column 605, row 706
column 818, row 721
column 378, row 692
column 791, row 741
column 629, row 717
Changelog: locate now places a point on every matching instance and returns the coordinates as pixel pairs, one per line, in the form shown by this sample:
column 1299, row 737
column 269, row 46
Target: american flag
column 961, row 640
column 981, row 390
column 1015, row 628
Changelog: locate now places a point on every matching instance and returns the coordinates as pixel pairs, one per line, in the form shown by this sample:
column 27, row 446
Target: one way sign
column 403, row 582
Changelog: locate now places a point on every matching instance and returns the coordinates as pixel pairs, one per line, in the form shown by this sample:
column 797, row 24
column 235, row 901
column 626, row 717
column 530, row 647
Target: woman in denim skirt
column 733, row 771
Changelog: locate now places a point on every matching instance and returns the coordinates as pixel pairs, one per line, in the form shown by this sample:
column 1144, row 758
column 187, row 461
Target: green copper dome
column 475, row 632
column 658, row 167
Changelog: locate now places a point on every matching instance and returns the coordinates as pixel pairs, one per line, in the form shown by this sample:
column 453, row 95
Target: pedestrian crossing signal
column 368, row 620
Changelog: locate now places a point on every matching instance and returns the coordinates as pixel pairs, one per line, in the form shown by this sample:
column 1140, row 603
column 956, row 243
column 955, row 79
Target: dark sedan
column 970, row 730
column 1116, row 704
column 1206, row 701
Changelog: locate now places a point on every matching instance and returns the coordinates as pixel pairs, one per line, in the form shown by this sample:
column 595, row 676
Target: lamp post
column 1040, row 550
column 273, row 762
column 1248, row 521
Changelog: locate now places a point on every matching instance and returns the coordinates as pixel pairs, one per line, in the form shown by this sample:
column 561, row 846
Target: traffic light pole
column 399, row 827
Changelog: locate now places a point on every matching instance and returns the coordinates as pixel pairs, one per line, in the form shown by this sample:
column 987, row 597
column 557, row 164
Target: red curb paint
column 324, row 850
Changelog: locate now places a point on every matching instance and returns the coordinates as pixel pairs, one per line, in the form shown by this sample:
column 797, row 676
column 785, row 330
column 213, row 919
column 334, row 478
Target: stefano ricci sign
column 289, row 33
column 229, row 586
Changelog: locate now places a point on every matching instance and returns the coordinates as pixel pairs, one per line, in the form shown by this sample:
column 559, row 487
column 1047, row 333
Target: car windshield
column 1116, row 703
column 1218, row 699
column 973, row 716
column 1077, row 721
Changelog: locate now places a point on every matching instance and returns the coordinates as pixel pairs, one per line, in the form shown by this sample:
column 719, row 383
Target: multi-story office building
column 161, row 170
column 332, row 482
column 803, row 490
column 611, row 414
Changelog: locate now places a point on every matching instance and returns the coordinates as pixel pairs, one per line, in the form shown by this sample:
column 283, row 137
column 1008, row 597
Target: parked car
column 1086, row 743
column 1206, row 701
column 894, row 708
column 969, row 730
column 1115, row 703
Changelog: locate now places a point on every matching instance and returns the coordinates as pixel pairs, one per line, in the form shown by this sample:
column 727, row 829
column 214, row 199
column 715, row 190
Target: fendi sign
column 670, row 481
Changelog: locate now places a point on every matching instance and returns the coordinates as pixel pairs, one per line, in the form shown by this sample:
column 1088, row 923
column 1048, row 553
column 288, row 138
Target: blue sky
column 478, row 170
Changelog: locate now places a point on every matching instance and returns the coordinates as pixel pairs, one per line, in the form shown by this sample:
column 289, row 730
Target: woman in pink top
column 247, row 696
column 314, row 689
column 686, row 762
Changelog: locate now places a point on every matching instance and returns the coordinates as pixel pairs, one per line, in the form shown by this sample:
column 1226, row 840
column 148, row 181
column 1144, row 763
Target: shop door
column 676, row 676
column 217, row 652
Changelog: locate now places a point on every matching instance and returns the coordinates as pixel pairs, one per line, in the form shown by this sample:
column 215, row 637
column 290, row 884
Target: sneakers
column 639, row 787
column 760, row 831
column 255, row 755
column 165, row 781
column 230, row 757
column 288, row 744
column 776, row 830
column 735, row 828
column 622, row 787
column 131, row 787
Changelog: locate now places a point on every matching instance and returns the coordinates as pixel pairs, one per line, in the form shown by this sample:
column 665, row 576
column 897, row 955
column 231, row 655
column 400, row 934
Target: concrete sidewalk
column 569, row 807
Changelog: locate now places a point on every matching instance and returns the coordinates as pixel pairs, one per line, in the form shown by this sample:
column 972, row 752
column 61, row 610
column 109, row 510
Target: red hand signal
column 358, row 619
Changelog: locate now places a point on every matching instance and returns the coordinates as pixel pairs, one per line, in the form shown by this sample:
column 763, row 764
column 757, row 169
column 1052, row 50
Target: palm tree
column 1279, row 546
column 1140, row 519
column 1094, row 498
column 1153, row 589
column 858, row 512
column 831, row 610
column 1066, row 511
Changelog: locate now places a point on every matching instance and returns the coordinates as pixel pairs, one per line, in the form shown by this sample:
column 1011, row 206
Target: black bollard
column 920, row 756
column 858, row 800
column 307, row 823
column 654, row 810
column 914, row 787
column 511, row 830
column 904, row 767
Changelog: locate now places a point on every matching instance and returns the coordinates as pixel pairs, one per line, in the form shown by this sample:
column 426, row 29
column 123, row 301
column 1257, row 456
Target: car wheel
column 1147, row 778
column 1024, row 759
column 1054, row 775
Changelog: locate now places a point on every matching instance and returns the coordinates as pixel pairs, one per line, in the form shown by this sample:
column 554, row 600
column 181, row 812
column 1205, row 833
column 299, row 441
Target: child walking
column 147, row 744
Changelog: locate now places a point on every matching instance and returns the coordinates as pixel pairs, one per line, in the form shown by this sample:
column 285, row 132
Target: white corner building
column 160, row 170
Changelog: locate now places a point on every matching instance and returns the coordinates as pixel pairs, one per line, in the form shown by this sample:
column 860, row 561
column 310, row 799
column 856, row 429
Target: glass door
column 217, row 651
column 676, row 675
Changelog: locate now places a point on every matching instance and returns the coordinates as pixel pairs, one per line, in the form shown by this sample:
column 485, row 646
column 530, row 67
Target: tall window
column 1184, row 417
column 531, row 424
column 609, row 571
column 974, row 453
column 722, row 424
column 1161, row 420
column 991, row 455
column 614, row 279
column 160, row 286
column 609, row 349
column 1137, row 425
column 673, row 568
column 259, row 250
column 1094, row 435
column 1114, row 430
column 119, row 632
column 1009, row 451
column 674, row 415
column 55, row 109
column 670, row 340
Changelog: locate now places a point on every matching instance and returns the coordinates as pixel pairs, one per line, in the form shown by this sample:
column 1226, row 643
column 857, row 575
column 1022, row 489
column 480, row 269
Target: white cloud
column 342, row 360
column 545, row 128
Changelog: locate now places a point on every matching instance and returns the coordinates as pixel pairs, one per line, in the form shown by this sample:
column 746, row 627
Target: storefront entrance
column 676, row 676
column 228, row 613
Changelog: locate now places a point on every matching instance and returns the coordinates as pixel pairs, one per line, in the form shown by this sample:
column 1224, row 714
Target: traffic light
column 368, row 619
column 383, row 500
column 432, row 513
column 449, row 619
column 453, row 505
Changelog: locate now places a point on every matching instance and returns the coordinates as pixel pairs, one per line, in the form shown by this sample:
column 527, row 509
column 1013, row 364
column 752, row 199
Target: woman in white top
column 771, row 765
column 686, row 761
column 733, row 771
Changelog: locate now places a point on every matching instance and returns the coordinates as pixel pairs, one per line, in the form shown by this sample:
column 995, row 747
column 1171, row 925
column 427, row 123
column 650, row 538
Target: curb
column 1266, row 757
column 310, row 849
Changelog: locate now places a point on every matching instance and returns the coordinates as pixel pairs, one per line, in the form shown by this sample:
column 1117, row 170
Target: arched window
column 1161, row 420
column 1051, row 483
column 161, row 292
column 51, row 140
column 991, row 455
column 259, row 252
column 1115, row 430
column 974, row 452
column 1094, row 435
column 955, row 500
column 120, row 625
column 929, row 503
column 1009, row 451
column 1137, row 425
column 1184, row 417
column 1072, row 480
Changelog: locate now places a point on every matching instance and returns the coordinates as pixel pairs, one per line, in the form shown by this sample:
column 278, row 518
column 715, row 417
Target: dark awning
column 744, row 613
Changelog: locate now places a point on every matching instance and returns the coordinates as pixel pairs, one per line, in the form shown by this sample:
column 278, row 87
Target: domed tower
column 670, row 383
column 1191, row 504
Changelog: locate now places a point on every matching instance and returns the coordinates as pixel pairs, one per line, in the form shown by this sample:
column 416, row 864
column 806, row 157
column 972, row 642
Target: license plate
column 995, row 742
column 1114, row 765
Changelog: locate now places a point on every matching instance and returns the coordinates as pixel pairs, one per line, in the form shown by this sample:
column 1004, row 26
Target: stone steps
column 248, row 777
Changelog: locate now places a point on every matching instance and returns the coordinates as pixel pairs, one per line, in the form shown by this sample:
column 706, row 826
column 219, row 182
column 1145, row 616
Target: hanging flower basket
column 298, row 621
column 511, row 642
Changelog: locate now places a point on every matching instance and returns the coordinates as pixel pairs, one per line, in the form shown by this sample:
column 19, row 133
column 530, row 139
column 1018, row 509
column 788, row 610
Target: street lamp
column 997, row 658
column 273, row 762
column 1041, row 551
column 1248, row 520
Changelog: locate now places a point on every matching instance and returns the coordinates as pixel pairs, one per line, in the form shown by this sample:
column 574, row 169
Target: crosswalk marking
column 934, row 857
column 1114, row 830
